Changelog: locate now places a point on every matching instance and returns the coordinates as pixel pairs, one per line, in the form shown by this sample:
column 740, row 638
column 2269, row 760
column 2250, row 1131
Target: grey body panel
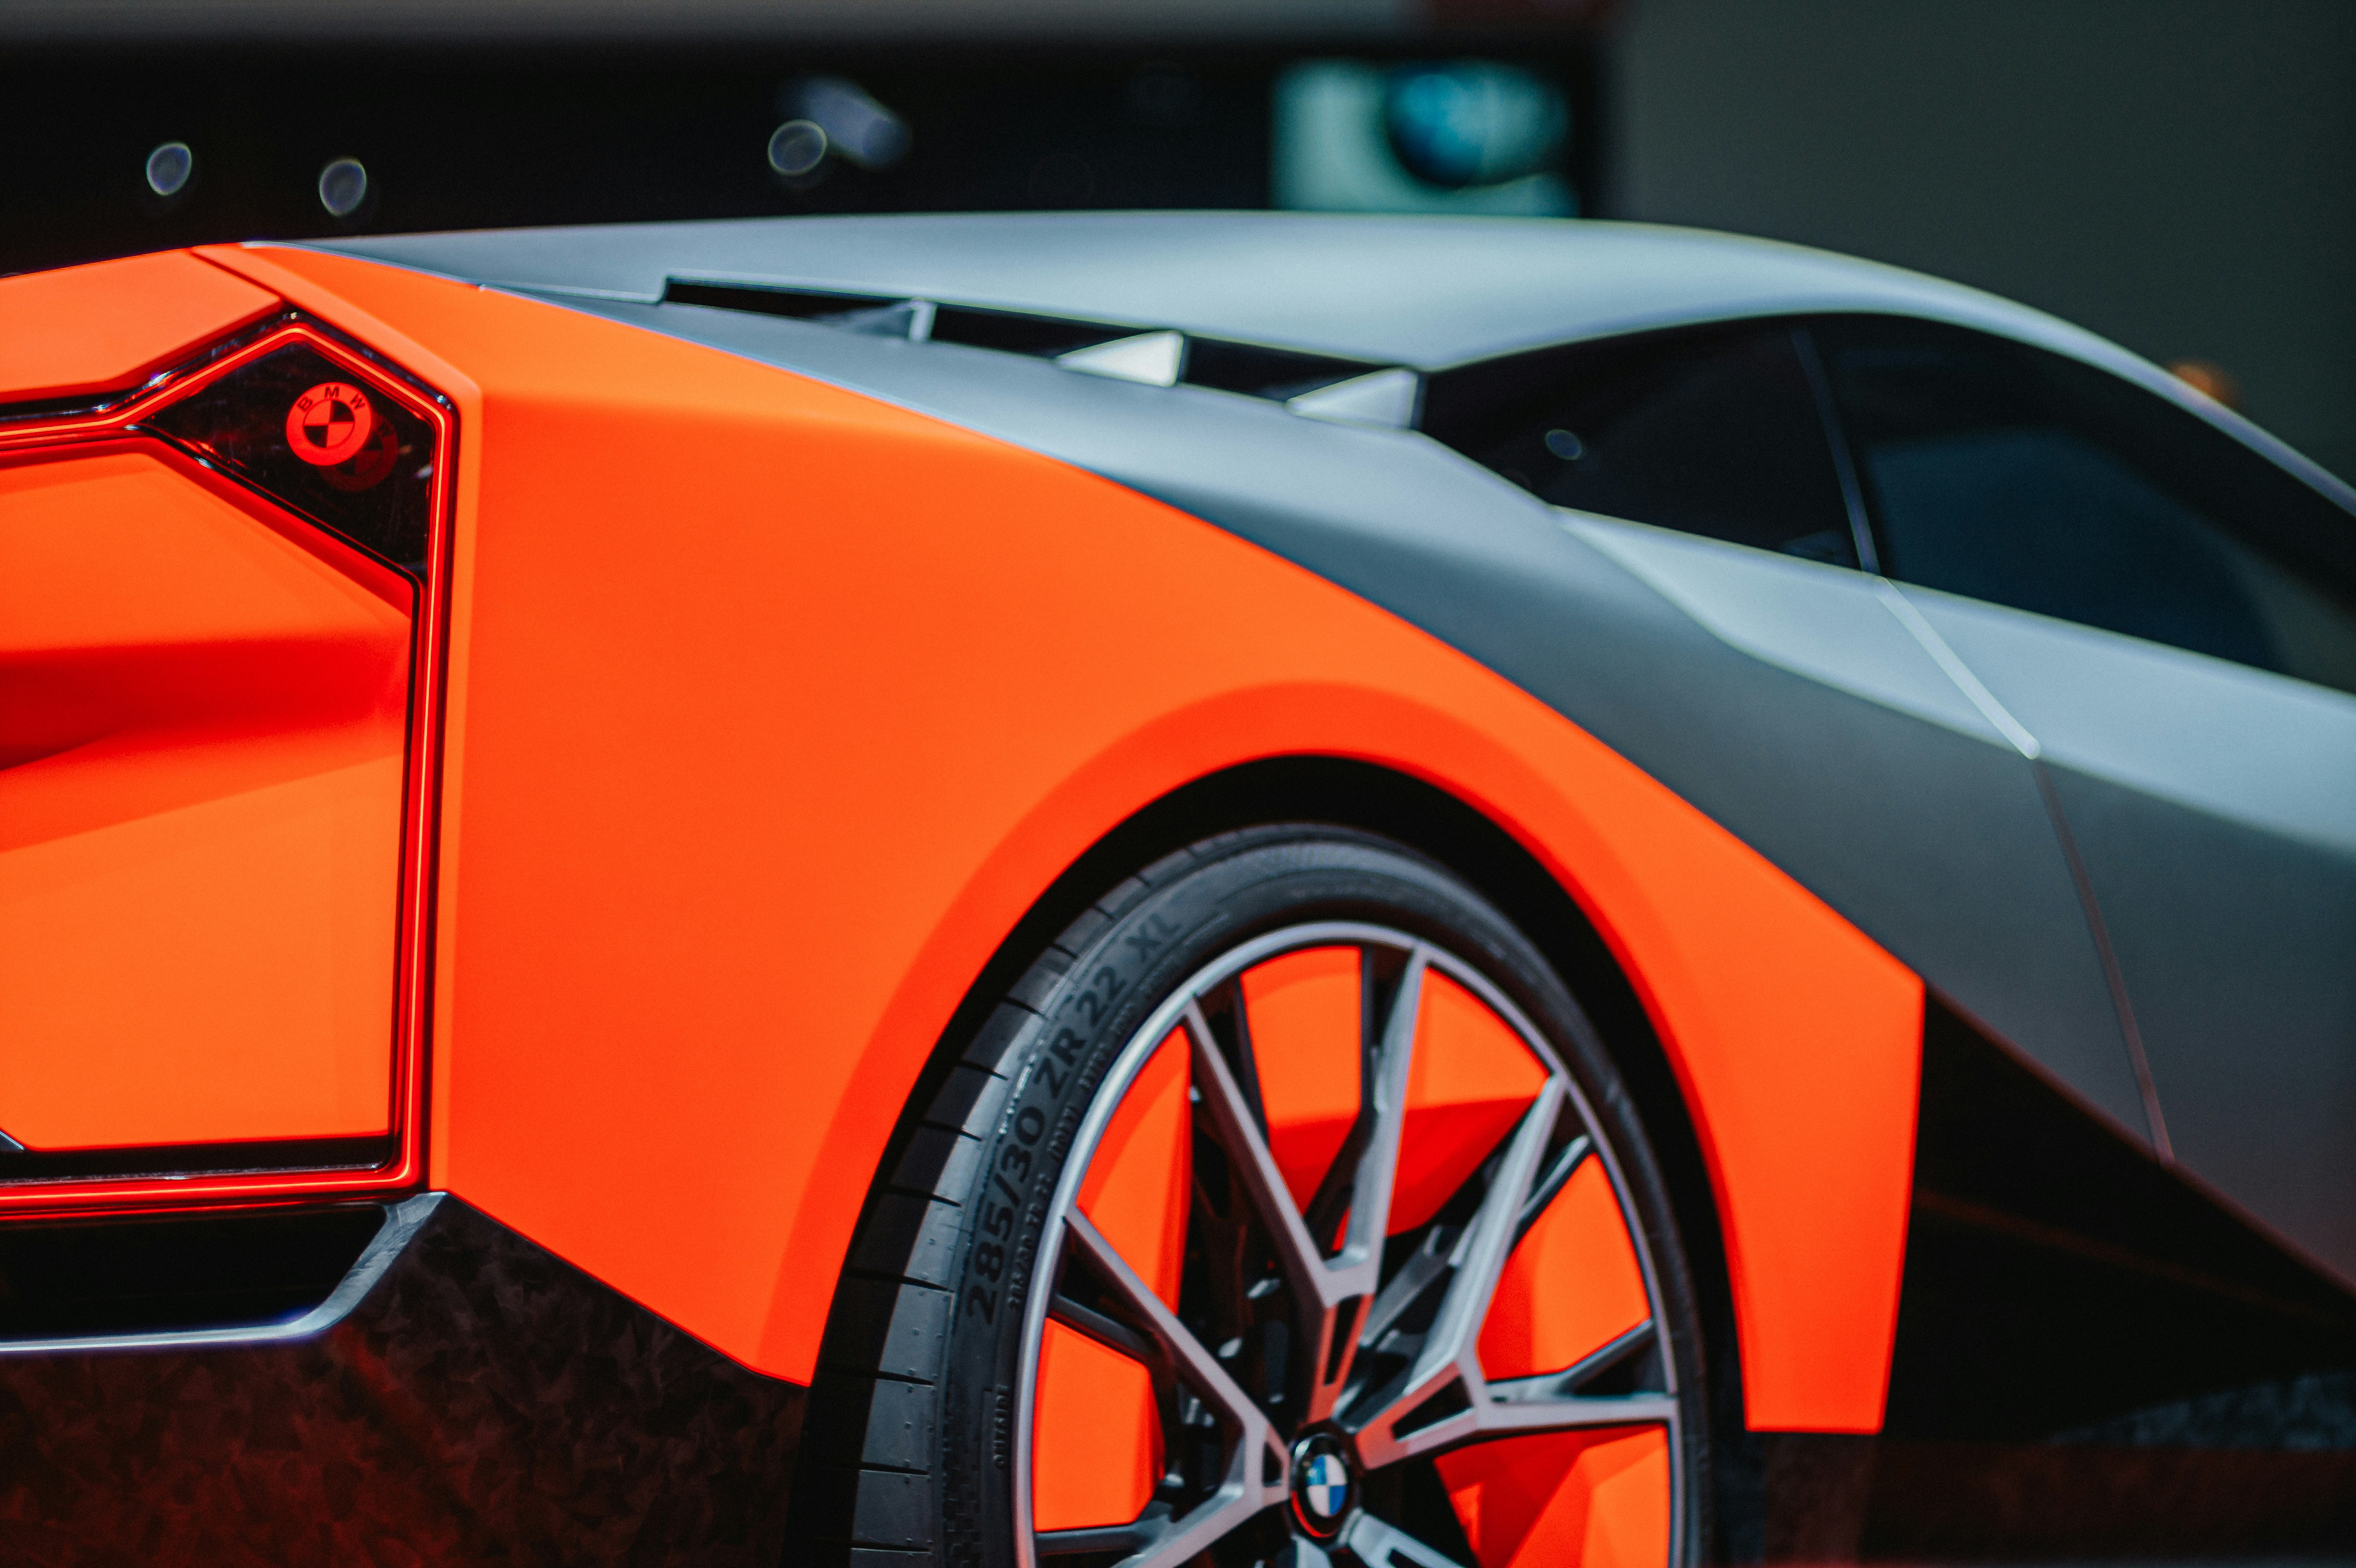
column 1889, row 798
column 1420, row 292
column 2214, row 808
column 1423, row 292
column 1887, row 770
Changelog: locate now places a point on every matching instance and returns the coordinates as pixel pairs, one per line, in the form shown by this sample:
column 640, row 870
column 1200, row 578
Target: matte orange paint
column 1572, row 1286
column 777, row 705
column 1598, row 1498
column 1302, row 1010
column 1469, row 1081
column 107, row 326
column 1095, row 1438
column 202, row 725
column 1140, row 1182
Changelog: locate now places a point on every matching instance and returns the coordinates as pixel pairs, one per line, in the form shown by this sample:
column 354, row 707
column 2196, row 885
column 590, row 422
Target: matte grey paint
column 1911, row 817
column 2214, row 808
column 1823, row 621
column 1417, row 290
column 1422, row 291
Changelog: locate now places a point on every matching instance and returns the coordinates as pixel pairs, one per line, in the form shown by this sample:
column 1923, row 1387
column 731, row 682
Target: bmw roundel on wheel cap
column 329, row 424
column 1323, row 1487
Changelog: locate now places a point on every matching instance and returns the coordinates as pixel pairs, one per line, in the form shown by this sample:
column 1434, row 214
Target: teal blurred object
column 1463, row 136
column 1472, row 122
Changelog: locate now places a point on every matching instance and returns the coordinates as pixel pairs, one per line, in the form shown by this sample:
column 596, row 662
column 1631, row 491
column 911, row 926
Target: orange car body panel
column 773, row 707
column 1572, row 1286
column 202, row 718
column 1600, row 1499
column 1095, row 1442
column 1469, row 1081
column 1303, row 1011
column 107, row 326
column 1139, row 1184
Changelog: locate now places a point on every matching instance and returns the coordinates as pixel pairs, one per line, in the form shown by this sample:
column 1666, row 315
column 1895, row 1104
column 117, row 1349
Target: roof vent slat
column 1152, row 357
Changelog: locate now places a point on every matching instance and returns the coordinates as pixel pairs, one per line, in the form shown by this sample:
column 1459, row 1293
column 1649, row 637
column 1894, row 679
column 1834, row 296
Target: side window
column 1714, row 431
column 2025, row 478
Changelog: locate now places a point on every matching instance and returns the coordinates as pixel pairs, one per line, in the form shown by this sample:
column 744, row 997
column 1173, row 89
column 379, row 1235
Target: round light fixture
column 797, row 147
column 168, row 168
column 343, row 186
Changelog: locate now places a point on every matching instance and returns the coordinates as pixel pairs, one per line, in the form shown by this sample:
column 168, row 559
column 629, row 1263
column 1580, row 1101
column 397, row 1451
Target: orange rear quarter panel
column 772, row 708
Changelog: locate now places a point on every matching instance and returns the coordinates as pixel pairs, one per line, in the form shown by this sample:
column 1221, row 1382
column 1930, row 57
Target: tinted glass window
column 1715, row 430
column 2021, row 477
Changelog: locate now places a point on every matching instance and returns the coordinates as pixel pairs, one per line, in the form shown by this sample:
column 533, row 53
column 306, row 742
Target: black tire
column 906, row 1449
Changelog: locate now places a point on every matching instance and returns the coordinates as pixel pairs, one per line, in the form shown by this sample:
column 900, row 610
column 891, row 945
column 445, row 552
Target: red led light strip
column 38, row 438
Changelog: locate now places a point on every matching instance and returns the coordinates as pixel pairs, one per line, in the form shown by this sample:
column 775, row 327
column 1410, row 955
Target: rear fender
column 773, row 708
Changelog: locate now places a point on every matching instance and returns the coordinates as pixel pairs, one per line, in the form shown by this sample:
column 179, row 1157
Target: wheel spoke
column 1356, row 1272
column 1564, row 1415
column 1232, row 1124
column 1548, row 1187
column 1495, row 1418
column 1379, row 1545
column 1450, row 1352
column 1142, row 1535
column 1326, row 1291
column 1361, row 1258
column 1256, row 1478
column 1425, row 1267
column 1111, row 1335
column 1562, row 1384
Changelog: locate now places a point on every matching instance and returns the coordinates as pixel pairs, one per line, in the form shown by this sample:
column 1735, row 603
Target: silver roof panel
column 1425, row 292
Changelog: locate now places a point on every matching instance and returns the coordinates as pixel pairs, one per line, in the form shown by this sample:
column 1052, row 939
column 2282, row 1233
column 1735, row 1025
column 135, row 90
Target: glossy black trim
column 196, row 1159
column 176, row 1274
column 795, row 305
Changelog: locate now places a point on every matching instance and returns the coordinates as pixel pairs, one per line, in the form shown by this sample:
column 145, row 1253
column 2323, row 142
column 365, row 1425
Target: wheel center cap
column 1324, row 1485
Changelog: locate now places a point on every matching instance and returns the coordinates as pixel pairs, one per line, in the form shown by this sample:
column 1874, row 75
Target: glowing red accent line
column 420, row 799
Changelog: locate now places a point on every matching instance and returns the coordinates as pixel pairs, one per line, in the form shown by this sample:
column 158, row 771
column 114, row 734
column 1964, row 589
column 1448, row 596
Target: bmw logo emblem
column 1324, row 1487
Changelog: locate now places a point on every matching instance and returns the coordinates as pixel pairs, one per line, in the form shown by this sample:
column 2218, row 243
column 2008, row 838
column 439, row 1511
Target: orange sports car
column 1139, row 889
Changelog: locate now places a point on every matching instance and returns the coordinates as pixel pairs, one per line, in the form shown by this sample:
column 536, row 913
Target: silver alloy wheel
column 1443, row 1402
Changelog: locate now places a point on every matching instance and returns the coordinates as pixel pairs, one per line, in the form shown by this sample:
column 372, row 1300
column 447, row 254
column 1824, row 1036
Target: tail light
column 220, row 635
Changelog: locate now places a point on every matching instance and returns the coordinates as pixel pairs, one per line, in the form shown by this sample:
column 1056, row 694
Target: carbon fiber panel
column 485, row 1401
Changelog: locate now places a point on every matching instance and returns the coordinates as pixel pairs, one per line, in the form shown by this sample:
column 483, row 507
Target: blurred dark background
column 2179, row 174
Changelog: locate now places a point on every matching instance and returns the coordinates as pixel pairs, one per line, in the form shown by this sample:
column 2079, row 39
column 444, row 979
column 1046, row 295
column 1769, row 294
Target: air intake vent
column 800, row 305
column 1253, row 369
column 1278, row 373
column 177, row 1274
column 1044, row 336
